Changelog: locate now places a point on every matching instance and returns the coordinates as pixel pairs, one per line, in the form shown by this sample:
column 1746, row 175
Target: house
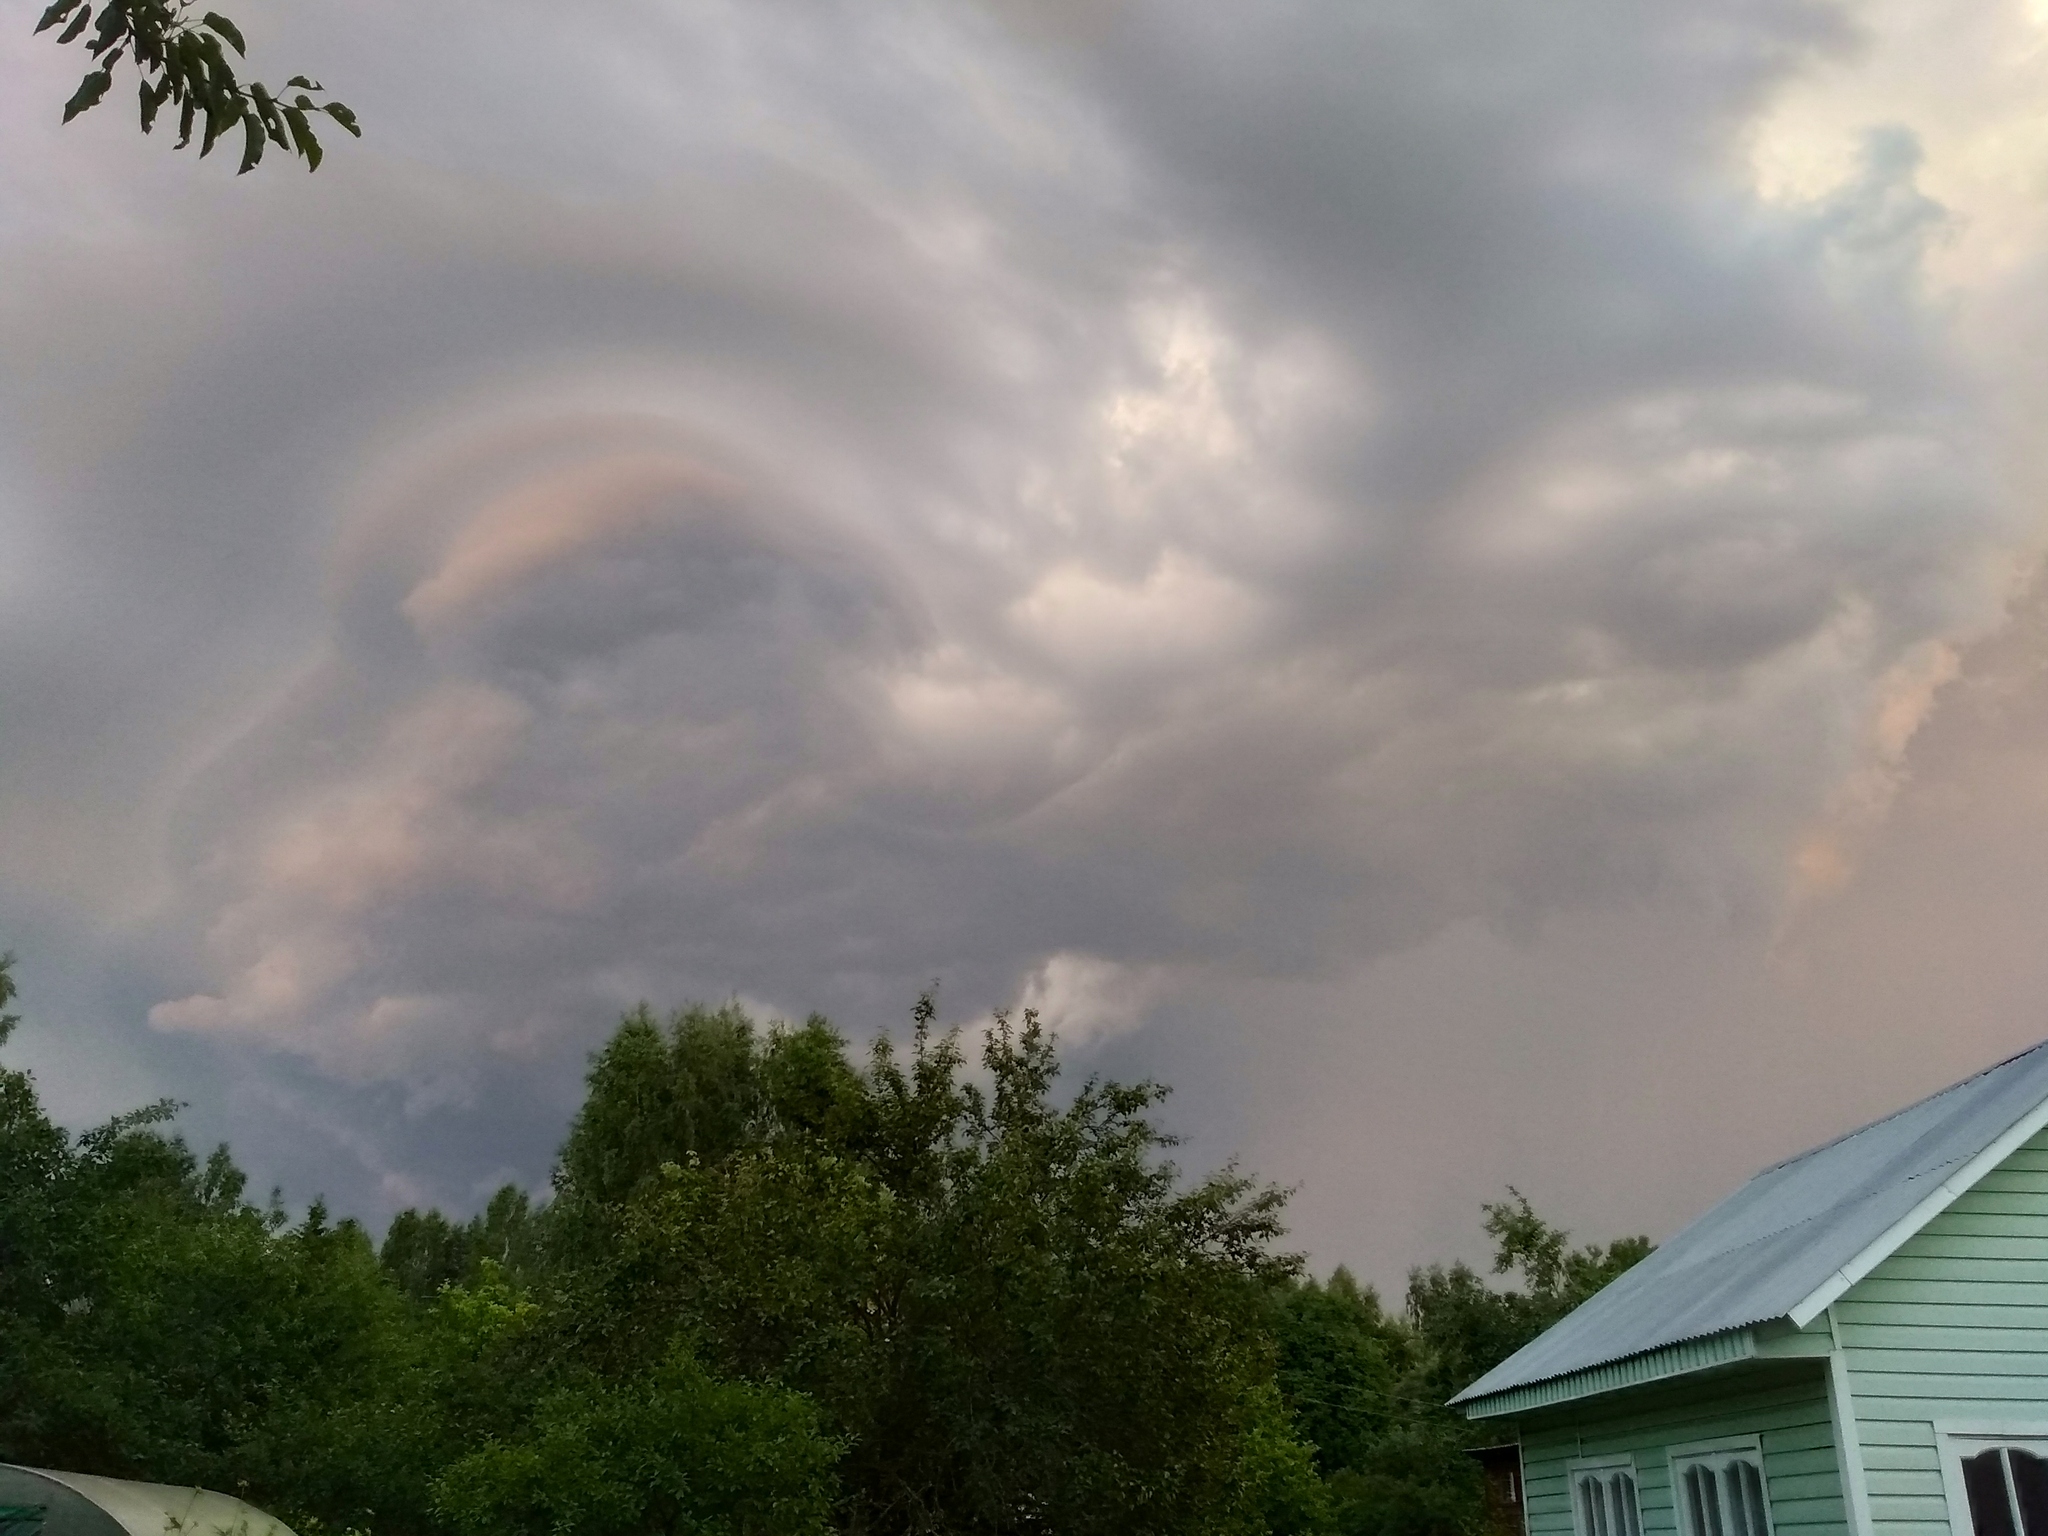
column 1855, row 1343
column 34, row 1502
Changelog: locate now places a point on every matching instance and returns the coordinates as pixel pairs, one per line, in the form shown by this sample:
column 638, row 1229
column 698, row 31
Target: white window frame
column 1677, row 1456
column 1953, row 1437
column 1582, row 1465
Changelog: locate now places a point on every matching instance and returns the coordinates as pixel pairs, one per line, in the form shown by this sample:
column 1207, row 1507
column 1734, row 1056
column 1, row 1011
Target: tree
column 1341, row 1364
column 779, row 1290
column 1391, row 1456
column 154, row 1323
column 424, row 1252
column 184, row 64
column 1011, row 1310
column 670, row 1450
column 1370, row 1390
column 1466, row 1327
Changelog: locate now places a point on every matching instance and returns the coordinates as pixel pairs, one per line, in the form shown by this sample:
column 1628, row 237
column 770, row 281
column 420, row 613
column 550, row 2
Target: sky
column 1458, row 581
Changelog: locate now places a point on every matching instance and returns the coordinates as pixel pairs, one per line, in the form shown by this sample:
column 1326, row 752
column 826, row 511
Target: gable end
column 1938, row 1200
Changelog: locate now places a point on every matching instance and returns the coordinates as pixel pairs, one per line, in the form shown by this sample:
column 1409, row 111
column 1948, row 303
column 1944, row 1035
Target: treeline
column 775, row 1290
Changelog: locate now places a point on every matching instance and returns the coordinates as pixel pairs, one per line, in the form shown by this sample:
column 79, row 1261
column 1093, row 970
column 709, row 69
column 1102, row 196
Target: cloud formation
column 1135, row 511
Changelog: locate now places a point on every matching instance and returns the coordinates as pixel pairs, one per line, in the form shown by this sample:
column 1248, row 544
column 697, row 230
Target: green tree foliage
column 669, row 1449
column 1342, row 1362
column 1358, row 1381
column 1467, row 1327
column 183, row 64
column 778, row 1291
column 424, row 1251
column 153, row 1322
column 1010, row 1309
column 1370, row 1390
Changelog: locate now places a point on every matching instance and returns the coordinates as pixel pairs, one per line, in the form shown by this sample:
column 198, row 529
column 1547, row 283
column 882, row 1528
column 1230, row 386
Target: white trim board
column 1619, row 1461
column 1937, row 1200
column 1848, row 1436
column 1719, row 1443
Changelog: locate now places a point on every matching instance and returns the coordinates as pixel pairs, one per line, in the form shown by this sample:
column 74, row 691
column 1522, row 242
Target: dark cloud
column 1165, row 514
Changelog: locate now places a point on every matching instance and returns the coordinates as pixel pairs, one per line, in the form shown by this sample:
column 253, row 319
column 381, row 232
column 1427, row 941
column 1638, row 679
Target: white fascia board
column 1938, row 1199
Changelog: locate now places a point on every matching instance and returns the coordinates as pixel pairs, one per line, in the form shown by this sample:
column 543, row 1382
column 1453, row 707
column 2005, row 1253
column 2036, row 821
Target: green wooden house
column 1855, row 1343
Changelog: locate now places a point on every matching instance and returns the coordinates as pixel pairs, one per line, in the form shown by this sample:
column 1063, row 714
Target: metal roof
column 1799, row 1233
column 47, row 1503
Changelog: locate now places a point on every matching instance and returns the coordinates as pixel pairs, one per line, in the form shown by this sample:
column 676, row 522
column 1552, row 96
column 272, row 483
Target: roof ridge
column 1905, row 1109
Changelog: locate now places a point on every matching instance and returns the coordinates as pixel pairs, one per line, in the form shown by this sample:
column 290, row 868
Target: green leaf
column 232, row 111
column 112, row 28
column 187, row 105
column 89, row 92
column 55, row 14
column 77, row 26
column 252, row 143
column 181, row 62
column 301, row 83
column 223, row 77
column 343, row 116
column 214, row 21
column 149, row 25
column 302, row 135
column 150, row 102
column 266, row 108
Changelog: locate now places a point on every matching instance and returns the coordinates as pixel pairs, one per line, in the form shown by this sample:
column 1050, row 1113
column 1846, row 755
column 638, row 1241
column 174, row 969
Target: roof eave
column 1680, row 1359
column 1772, row 1340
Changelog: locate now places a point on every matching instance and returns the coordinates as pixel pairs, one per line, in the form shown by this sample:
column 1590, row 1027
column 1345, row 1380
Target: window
column 1720, row 1490
column 1604, row 1498
column 2007, row 1486
column 2000, row 1477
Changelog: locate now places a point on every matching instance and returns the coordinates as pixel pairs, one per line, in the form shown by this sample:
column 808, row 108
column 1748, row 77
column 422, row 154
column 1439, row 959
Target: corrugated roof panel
column 1637, row 1370
column 1777, row 1240
column 86, row 1505
column 159, row 1509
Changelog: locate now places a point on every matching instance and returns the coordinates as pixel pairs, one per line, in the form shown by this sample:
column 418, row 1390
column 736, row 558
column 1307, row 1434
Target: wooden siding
column 1787, row 1406
column 1954, row 1326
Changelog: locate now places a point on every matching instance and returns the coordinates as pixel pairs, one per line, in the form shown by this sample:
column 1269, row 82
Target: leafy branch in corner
column 184, row 64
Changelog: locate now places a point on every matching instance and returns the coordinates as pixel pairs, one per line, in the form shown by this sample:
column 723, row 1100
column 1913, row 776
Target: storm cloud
column 1382, row 562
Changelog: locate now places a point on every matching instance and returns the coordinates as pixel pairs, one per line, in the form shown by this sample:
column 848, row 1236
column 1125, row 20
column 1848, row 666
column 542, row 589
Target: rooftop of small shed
column 40, row 1502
